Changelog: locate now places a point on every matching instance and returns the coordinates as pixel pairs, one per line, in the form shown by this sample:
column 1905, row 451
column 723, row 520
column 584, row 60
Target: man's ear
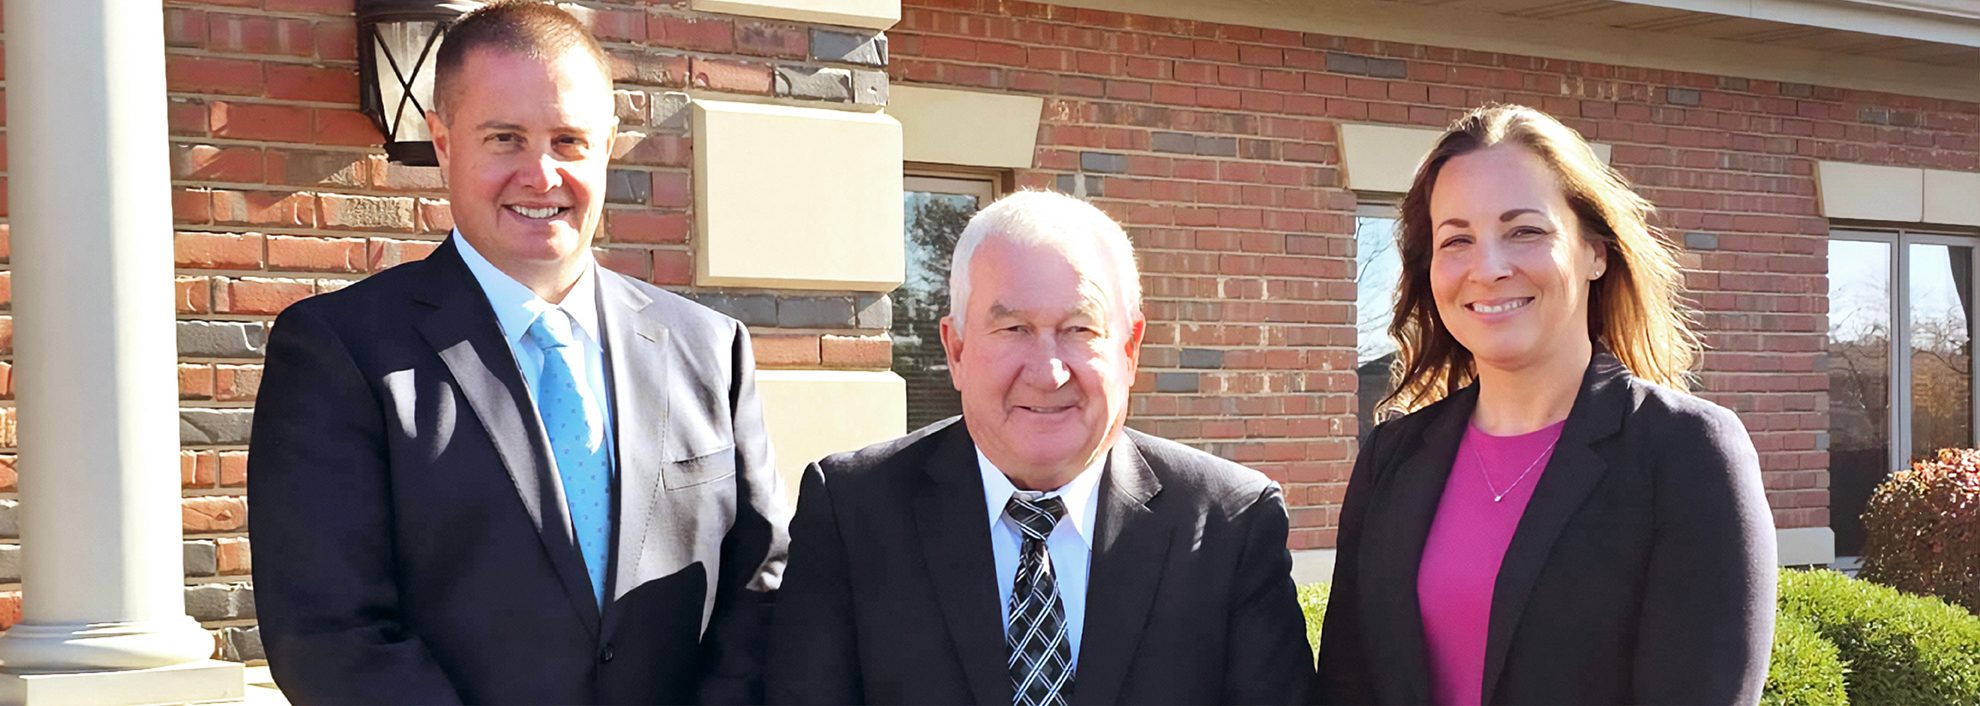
column 442, row 144
column 952, row 346
column 1137, row 328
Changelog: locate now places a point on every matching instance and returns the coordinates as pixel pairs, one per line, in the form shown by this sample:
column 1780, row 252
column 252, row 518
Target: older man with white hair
column 1034, row 550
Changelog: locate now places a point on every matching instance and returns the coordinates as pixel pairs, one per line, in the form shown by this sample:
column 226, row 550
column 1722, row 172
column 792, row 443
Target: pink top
column 1461, row 556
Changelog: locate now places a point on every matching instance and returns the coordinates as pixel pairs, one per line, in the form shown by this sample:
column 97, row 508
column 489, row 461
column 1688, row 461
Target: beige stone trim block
column 871, row 14
column 812, row 414
column 970, row 128
column 796, row 198
column 1871, row 193
column 1806, row 546
column 1952, row 198
column 1383, row 158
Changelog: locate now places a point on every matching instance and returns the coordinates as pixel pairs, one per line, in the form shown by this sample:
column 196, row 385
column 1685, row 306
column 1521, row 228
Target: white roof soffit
column 1940, row 21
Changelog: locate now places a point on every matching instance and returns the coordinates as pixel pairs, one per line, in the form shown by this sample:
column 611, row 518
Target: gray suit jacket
column 411, row 534
column 892, row 592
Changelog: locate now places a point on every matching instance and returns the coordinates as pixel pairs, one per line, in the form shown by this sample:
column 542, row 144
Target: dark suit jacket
column 412, row 542
column 1642, row 571
column 892, row 594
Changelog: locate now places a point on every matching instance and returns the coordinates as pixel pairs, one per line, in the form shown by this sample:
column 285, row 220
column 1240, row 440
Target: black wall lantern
column 398, row 42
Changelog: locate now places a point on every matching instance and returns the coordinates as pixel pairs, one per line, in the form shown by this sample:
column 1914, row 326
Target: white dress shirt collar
column 516, row 307
column 1082, row 503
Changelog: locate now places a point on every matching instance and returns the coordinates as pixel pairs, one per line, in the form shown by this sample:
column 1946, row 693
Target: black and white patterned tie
column 1041, row 651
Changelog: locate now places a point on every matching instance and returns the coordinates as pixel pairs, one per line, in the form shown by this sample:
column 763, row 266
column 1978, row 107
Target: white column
column 102, row 573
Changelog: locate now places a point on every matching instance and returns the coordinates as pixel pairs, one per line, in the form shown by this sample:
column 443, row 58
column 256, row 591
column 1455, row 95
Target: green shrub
column 1898, row 648
column 1313, row 602
column 1804, row 669
column 1921, row 530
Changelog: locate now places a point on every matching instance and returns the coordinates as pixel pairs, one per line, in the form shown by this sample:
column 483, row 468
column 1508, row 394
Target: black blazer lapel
column 1571, row 475
column 955, row 541
column 1130, row 546
column 463, row 330
column 1406, row 497
column 636, row 373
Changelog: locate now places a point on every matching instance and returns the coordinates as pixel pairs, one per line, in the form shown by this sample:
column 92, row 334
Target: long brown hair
column 1635, row 308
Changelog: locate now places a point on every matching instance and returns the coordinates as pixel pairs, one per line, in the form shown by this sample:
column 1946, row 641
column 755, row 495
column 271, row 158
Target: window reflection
column 1377, row 273
column 1859, row 347
column 935, row 218
column 1940, row 294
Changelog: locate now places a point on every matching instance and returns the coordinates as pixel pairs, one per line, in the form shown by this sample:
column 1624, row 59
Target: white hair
column 1044, row 218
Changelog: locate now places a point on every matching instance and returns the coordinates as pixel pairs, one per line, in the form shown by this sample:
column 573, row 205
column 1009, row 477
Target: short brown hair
column 1636, row 308
column 535, row 29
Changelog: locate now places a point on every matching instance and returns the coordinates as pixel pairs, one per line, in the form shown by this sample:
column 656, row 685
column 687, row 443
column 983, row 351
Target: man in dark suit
column 504, row 473
column 1036, row 552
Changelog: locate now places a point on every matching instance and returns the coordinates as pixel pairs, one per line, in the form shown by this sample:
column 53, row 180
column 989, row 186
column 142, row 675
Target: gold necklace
column 1500, row 495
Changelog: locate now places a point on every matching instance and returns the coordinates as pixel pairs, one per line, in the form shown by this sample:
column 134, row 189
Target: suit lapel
column 1129, row 547
column 1571, row 475
column 1407, row 495
column 463, row 330
column 636, row 375
column 955, row 541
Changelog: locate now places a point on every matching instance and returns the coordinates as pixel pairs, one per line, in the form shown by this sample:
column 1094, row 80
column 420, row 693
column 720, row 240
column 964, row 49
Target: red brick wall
column 280, row 191
column 1246, row 231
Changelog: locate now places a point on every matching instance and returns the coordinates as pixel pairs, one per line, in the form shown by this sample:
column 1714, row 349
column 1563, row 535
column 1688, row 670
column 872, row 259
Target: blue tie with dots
column 576, row 428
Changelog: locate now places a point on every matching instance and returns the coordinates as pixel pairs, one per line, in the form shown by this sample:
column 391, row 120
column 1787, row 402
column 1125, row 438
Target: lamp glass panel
column 400, row 45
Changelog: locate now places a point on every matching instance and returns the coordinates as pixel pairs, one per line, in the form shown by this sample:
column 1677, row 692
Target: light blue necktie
column 577, row 441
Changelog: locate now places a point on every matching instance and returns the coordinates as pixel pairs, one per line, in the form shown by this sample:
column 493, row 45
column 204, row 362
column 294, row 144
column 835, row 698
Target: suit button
column 605, row 655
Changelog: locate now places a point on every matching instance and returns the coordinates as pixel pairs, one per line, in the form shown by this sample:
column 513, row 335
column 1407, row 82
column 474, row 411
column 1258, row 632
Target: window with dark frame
column 937, row 204
column 1377, row 274
column 1919, row 285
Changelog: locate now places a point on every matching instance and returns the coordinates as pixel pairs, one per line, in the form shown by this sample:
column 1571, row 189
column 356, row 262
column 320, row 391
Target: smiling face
column 1509, row 268
column 1045, row 364
column 524, row 147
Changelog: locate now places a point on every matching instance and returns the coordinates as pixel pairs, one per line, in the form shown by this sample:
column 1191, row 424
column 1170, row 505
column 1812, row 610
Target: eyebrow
column 998, row 310
column 513, row 127
column 1503, row 217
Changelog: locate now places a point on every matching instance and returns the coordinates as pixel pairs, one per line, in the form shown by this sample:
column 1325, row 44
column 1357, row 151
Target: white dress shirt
column 1070, row 544
column 517, row 308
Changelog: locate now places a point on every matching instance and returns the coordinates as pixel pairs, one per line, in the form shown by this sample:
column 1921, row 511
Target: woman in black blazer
column 1555, row 520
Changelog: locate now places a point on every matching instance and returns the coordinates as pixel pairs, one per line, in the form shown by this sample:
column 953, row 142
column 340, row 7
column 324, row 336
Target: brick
column 669, row 111
column 314, row 254
column 672, row 268
column 345, row 127
column 201, row 558
column 213, row 514
column 236, row 383
column 222, row 339
column 255, row 121
column 815, row 312
column 219, row 427
column 9, row 478
column 619, row 25
column 659, row 150
column 383, row 253
column 771, row 39
column 10, row 520
column 1103, row 162
column 191, row 206
column 336, row 41
column 1177, row 382
column 195, row 381
column 1347, row 64
column 1701, row 241
column 256, row 295
column 185, row 27
column 185, row 117
column 256, row 34
column 299, row 82
column 874, row 311
column 636, row 263
column 650, row 68
column 217, row 251
column 777, row 350
column 217, row 164
column 219, row 601
column 672, row 189
column 648, row 227
column 10, row 608
column 235, row 555
column 293, row 167
column 1202, row 358
column 10, row 563
column 750, row 309
column 366, row 212
column 201, row 74
column 626, row 186
column 869, row 352
column 692, row 33
column 814, row 83
column 870, row 87
column 335, row 8
column 863, row 48
column 280, row 209
column 233, row 465
column 730, row 76
column 435, row 216
column 192, row 295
